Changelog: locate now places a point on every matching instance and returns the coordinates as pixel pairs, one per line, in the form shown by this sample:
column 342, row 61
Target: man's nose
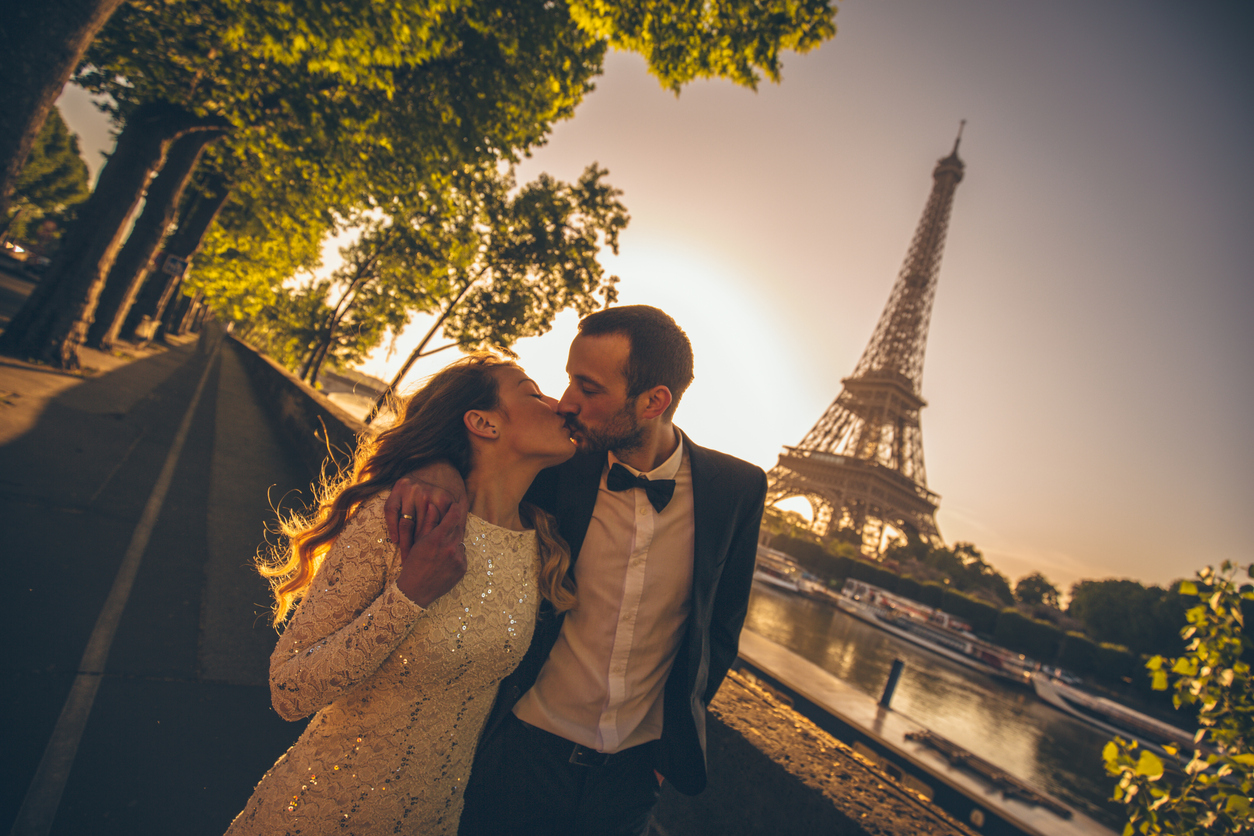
column 567, row 405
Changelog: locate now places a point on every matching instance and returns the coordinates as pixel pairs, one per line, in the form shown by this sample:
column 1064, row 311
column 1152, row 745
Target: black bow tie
column 659, row 491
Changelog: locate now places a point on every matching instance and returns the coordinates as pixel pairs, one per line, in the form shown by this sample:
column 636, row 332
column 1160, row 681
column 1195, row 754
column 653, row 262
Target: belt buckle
column 583, row 756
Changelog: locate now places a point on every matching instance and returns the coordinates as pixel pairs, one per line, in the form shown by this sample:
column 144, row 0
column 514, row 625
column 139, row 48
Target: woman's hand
column 436, row 562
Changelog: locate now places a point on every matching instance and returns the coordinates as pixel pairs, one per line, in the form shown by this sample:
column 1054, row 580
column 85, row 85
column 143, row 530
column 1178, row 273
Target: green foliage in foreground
column 1214, row 793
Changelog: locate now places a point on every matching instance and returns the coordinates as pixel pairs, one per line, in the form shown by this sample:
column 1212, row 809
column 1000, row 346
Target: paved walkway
column 177, row 726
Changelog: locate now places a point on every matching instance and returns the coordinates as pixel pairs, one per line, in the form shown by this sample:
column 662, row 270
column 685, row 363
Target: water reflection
column 999, row 722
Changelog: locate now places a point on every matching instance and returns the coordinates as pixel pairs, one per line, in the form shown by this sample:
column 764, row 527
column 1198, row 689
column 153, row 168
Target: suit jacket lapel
column 707, row 512
column 704, row 508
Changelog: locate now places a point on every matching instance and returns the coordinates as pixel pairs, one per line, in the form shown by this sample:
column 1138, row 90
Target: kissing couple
column 511, row 616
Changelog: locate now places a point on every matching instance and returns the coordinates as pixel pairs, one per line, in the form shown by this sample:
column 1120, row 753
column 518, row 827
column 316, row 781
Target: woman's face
column 528, row 421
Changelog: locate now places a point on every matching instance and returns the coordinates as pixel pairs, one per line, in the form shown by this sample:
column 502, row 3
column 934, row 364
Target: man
column 610, row 698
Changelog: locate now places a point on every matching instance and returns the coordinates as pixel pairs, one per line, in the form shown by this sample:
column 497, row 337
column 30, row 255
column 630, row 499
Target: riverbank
column 775, row 771
column 999, row 722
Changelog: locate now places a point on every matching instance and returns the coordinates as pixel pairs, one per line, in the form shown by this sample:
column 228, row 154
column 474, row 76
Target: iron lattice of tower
column 861, row 466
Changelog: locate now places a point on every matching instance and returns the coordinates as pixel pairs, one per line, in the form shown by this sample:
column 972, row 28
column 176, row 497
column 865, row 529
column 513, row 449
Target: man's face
column 595, row 405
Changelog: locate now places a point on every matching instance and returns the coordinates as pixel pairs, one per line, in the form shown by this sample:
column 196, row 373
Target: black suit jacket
column 728, row 496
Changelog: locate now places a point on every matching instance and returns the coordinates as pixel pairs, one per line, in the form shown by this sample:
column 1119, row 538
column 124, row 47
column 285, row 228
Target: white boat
column 1109, row 715
column 963, row 649
column 933, row 630
column 777, row 569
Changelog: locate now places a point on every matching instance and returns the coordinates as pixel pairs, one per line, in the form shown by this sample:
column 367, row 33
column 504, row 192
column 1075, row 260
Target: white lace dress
column 401, row 693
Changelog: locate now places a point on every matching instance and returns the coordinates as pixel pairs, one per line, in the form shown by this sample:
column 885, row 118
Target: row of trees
column 255, row 130
column 961, row 567
column 1138, row 619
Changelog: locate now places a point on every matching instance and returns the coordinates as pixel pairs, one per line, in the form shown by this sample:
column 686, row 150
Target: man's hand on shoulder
column 433, row 489
column 437, row 561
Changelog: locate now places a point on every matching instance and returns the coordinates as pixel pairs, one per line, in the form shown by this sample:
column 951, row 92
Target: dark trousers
column 523, row 783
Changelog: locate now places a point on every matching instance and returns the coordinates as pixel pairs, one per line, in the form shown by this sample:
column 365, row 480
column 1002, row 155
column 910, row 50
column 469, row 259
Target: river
column 999, row 722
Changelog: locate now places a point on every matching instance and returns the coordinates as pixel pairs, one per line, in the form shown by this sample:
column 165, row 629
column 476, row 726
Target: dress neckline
column 486, row 524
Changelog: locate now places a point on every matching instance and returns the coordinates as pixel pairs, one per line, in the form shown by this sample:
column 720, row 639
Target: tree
column 267, row 234
column 367, row 101
column 306, row 122
column 536, row 255
column 388, row 273
column 1035, row 589
column 54, row 320
column 963, row 564
column 40, row 45
column 53, row 179
column 200, row 209
column 734, row 39
column 131, row 265
column 1144, row 619
column 1217, row 789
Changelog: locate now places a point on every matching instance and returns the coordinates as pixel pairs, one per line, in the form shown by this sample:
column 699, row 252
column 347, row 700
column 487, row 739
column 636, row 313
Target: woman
column 400, row 655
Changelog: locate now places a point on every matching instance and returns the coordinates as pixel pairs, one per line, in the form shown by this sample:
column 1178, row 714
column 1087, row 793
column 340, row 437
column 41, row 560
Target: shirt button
column 644, row 512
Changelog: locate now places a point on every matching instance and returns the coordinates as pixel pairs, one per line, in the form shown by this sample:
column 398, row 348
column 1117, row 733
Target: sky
column 1088, row 369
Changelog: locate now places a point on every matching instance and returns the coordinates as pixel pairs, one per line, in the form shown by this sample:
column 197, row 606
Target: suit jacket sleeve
column 731, row 600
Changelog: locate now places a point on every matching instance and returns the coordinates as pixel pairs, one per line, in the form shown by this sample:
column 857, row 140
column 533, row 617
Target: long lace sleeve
column 352, row 617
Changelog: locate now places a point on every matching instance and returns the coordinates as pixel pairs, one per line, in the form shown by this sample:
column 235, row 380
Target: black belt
column 580, row 755
column 583, row 756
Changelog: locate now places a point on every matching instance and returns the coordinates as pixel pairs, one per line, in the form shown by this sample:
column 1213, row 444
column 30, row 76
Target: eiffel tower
column 861, row 466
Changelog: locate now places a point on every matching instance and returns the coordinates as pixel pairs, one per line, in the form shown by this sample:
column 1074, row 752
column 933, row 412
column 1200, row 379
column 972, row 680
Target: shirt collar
column 666, row 470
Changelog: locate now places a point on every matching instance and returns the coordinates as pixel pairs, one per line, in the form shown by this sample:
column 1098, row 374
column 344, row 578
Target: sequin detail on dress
column 401, row 693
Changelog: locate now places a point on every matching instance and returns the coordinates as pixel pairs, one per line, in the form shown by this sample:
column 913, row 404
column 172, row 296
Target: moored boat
column 1109, row 715
column 934, row 630
column 777, row 569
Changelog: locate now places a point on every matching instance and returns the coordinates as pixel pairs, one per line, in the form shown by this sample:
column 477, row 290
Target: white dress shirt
column 603, row 681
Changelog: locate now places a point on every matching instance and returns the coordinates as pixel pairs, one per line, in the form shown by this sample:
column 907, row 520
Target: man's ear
column 482, row 424
column 656, row 401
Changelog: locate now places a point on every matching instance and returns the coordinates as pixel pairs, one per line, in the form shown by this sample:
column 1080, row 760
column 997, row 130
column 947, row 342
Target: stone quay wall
column 772, row 770
column 315, row 427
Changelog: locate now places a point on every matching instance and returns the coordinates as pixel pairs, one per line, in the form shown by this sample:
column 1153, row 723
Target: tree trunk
column 54, row 320
column 417, row 352
column 158, row 291
column 174, row 311
column 188, row 314
column 134, row 259
column 40, row 45
column 317, row 359
column 337, row 316
column 201, row 309
column 309, row 372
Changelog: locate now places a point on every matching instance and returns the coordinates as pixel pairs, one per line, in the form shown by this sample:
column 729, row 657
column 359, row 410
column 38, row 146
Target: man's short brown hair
column 660, row 354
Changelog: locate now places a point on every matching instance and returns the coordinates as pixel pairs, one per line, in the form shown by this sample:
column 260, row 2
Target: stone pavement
column 180, row 727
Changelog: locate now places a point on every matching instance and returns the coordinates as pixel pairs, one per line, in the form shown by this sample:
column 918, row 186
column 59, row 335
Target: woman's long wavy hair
column 430, row 430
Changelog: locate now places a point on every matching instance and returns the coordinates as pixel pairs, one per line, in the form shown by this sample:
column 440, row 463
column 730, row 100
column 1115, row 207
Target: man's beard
column 620, row 433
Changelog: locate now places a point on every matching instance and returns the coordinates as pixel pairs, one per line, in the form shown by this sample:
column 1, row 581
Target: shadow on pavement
column 181, row 728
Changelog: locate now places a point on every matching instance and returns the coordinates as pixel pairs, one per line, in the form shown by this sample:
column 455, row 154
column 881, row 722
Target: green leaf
column 1159, row 682
column 1190, row 588
column 1150, row 766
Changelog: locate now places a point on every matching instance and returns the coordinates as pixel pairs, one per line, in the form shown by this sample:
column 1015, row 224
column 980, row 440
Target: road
column 179, row 728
